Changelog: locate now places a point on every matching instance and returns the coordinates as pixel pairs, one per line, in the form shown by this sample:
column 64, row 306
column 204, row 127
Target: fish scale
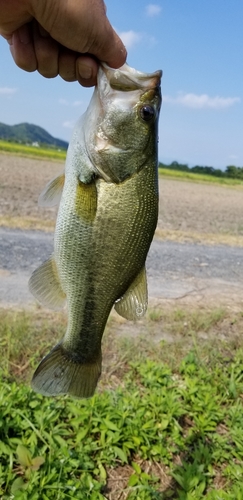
column 106, row 221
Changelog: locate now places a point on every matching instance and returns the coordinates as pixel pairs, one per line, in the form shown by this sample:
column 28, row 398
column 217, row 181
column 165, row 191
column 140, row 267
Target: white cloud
column 77, row 103
column 153, row 10
column 152, row 41
column 64, row 102
column 68, row 124
column 202, row 101
column 130, row 38
column 7, row 91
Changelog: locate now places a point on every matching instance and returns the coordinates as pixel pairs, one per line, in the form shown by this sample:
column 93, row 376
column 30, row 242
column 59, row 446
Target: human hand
column 59, row 37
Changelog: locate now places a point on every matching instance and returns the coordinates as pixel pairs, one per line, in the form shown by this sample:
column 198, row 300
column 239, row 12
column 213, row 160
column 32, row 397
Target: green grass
column 166, row 421
column 176, row 174
column 31, row 151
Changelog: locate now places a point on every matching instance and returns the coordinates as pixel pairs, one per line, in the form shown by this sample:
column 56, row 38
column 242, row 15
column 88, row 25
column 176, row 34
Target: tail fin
column 59, row 374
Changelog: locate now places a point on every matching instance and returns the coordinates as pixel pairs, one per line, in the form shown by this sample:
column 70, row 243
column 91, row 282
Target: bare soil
column 189, row 211
column 21, row 182
column 201, row 211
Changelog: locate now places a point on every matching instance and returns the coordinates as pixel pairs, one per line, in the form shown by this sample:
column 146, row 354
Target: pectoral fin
column 133, row 304
column 52, row 193
column 44, row 284
column 86, row 201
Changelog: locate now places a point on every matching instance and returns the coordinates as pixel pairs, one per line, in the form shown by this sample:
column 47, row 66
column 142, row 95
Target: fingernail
column 85, row 71
column 24, row 35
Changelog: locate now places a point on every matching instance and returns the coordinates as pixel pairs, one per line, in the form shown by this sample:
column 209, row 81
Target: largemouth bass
column 105, row 224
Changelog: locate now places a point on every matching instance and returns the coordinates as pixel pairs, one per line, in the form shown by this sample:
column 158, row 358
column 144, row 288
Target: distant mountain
column 28, row 133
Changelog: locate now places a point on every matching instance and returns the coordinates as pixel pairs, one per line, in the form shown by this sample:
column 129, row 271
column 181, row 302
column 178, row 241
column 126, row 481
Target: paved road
column 174, row 270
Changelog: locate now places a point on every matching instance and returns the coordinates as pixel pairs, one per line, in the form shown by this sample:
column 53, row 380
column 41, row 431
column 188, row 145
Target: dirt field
column 21, row 182
column 189, row 211
column 201, row 211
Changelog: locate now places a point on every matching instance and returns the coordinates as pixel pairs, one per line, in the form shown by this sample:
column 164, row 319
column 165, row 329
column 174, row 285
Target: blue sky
column 199, row 47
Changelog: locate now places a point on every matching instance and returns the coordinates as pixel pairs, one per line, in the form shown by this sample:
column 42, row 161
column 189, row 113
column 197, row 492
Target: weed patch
column 176, row 174
column 32, row 152
column 160, row 426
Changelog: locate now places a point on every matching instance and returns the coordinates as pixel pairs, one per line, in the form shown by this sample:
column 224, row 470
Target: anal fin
column 133, row 304
column 58, row 373
column 44, row 284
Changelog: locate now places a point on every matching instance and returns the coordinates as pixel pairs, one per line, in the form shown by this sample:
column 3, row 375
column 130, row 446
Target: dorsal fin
column 51, row 194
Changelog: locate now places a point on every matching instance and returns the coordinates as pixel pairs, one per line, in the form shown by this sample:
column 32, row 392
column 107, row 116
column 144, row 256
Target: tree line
column 231, row 171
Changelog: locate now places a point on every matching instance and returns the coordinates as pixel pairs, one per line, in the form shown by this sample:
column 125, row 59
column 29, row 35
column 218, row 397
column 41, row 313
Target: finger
column 46, row 52
column 114, row 53
column 86, row 70
column 22, row 48
column 74, row 67
column 67, row 65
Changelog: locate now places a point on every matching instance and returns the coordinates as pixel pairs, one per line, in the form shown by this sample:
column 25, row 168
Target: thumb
column 108, row 47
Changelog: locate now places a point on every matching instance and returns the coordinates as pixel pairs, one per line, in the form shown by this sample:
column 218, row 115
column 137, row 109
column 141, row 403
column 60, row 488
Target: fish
column 107, row 215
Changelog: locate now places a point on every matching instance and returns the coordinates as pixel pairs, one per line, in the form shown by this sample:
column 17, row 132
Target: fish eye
column 147, row 113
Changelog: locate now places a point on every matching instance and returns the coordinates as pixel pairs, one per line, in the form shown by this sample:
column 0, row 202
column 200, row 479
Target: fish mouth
column 118, row 97
column 112, row 83
column 127, row 79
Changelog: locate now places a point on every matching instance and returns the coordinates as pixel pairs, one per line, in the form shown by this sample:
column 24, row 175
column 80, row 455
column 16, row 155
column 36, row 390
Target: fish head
column 121, row 135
